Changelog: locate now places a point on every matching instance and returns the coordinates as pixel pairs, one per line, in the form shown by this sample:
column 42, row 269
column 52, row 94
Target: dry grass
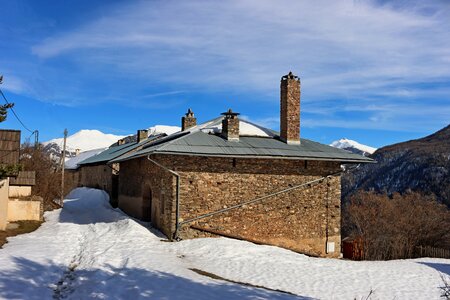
column 24, row 227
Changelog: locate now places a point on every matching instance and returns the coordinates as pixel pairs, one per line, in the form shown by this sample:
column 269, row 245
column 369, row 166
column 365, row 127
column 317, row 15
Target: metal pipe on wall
column 177, row 211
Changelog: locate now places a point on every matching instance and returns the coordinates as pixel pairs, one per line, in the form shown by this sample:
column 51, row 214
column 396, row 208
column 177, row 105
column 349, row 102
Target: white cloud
column 355, row 51
column 257, row 41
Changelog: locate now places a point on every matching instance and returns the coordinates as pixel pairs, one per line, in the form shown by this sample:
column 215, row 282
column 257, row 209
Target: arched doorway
column 147, row 205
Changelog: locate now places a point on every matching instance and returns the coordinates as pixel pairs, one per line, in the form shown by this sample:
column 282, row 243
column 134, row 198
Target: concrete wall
column 303, row 220
column 19, row 210
column 4, row 187
column 19, row 191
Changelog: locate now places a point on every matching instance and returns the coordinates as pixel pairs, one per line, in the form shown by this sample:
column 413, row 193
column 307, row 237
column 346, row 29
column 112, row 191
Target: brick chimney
column 230, row 126
column 142, row 134
column 188, row 121
column 290, row 109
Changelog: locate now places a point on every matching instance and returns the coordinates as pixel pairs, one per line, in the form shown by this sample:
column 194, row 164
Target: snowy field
column 89, row 250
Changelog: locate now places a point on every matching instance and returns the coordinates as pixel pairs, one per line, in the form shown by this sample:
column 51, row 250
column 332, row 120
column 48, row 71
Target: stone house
column 230, row 177
column 95, row 171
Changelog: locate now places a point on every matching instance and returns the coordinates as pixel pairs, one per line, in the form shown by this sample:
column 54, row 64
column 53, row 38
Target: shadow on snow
column 31, row 280
column 442, row 268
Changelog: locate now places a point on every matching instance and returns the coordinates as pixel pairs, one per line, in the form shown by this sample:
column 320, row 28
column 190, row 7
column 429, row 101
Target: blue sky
column 377, row 72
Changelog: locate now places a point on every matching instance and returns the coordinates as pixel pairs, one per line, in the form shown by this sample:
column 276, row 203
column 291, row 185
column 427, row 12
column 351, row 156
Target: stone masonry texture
column 96, row 176
column 303, row 220
column 230, row 128
column 290, row 109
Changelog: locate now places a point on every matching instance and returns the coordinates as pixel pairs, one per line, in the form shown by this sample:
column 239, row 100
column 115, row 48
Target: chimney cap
column 229, row 113
column 289, row 76
column 189, row 113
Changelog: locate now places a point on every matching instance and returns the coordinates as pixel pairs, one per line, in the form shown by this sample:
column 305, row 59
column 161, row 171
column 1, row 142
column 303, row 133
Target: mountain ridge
column 421, row 165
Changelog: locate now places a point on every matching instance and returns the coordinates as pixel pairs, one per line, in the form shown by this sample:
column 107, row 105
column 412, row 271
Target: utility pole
column 36, row 139
column 63, row 164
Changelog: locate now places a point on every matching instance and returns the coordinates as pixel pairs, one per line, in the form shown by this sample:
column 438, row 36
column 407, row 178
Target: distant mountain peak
column 86, row 139
column 353, row 146
column 91, row 139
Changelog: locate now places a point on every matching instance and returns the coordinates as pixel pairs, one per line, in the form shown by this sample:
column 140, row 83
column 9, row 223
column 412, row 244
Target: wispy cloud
column 348, row 53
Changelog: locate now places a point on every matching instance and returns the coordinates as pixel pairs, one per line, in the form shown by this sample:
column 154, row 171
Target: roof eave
column 342, row 160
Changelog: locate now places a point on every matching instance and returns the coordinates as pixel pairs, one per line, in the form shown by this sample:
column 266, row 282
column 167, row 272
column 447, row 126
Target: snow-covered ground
column 89, row 250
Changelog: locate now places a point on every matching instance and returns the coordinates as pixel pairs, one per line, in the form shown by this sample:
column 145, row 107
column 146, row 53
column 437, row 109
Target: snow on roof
column 72, row 163
column 246, row 128
column 163, row 129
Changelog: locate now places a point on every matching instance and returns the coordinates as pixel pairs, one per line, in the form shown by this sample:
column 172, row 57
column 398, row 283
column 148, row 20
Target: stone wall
column 304, row 219
column 71, row 180
column 290, row 109
column 147, row 192
column 98, row 176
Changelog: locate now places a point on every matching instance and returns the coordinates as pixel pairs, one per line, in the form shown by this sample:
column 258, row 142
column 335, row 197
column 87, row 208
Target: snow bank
column 90, row 250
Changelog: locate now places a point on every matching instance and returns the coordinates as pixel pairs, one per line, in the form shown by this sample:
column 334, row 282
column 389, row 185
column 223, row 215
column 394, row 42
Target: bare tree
column 392, row 227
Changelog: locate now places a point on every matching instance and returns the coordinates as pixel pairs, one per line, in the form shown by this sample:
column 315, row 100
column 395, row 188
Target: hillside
column 420, row 165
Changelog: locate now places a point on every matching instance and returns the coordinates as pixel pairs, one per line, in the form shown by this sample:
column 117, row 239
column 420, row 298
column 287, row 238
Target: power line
column 17, row 117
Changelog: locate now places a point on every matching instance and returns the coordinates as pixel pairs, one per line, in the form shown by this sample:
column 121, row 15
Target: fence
column 432, row 252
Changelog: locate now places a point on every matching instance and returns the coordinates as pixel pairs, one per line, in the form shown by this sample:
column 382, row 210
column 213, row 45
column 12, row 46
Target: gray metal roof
column 117, row 151
column 211, row 143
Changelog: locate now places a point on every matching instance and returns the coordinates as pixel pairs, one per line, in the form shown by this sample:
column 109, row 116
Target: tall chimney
column 290, row 109
column 188, row 121
column 230, row 126
column 142, row 134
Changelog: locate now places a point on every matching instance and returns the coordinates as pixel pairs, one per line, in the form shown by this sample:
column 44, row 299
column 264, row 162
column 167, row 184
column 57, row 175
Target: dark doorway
column 147, row 205
column 115, row 191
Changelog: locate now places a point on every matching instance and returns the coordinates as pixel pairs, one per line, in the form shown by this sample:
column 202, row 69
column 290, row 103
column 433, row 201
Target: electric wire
column 17, row 117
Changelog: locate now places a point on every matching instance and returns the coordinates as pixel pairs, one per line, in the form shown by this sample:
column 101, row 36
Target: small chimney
column 230, row 126
column 121, row 142
column 188, row 121
column 290, row 109
column 142, row 134
column 77, row 152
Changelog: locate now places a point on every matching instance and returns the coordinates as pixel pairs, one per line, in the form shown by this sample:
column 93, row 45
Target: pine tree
column 4, row 111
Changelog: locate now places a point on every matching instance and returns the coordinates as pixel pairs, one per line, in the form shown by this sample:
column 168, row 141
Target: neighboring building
column 72, row 168
column 95, row 171
column 16, row 202
column 233, row 178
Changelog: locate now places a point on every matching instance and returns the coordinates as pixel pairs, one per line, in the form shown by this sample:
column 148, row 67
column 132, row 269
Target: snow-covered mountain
column 87, row 140
column 353, row 146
